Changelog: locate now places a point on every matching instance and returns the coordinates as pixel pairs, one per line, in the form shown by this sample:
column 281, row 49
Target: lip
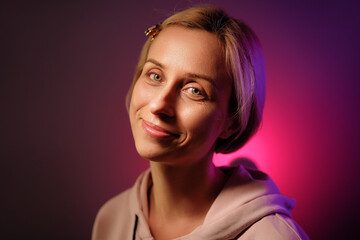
column 156, row 131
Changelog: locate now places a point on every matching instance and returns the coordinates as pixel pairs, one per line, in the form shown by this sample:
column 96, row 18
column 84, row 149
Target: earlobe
column 226, row 133
column 229, row 129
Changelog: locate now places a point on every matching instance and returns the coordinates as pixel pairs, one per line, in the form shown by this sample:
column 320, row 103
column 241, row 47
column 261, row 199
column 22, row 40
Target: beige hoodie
column 249, row 207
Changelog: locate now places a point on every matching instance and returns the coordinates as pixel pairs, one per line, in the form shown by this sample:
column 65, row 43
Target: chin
column 153, row 153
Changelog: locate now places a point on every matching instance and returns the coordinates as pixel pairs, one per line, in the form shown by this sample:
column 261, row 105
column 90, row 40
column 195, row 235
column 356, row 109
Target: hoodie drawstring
column 135, row 226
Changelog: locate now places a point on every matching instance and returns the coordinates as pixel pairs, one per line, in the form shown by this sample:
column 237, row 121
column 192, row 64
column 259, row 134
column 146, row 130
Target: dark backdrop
column 66, row 145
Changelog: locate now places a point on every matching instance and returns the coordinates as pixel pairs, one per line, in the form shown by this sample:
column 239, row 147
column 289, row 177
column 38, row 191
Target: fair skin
column 178, row 109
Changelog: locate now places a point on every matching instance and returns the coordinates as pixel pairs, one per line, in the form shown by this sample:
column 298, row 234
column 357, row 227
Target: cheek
column 139, row 97
column 136, row 102
column 204, row 121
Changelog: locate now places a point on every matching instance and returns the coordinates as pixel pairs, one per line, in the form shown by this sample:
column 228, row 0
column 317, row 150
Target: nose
column 164, row 102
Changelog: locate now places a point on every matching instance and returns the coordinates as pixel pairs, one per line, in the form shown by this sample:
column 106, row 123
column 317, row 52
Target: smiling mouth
column 156, row 131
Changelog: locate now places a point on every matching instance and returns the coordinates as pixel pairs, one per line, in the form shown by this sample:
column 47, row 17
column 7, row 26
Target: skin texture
column 178, row 109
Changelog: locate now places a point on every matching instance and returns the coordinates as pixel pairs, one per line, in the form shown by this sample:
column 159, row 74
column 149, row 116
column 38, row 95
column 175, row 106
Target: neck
column 181, row 192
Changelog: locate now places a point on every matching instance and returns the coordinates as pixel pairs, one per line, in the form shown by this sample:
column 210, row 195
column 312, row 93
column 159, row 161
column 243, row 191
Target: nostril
column 162, row 106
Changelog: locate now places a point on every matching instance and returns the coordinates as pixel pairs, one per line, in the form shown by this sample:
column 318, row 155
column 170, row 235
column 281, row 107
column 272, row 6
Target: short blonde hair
column 245, row 65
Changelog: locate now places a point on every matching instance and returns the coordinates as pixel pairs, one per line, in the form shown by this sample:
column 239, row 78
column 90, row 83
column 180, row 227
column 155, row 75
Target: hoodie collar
column 247, row 196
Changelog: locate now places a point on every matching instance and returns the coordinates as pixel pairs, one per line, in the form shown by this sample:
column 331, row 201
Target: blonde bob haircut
column 244, row 62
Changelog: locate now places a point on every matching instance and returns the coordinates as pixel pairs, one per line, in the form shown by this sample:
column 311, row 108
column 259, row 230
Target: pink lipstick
column 155, row 131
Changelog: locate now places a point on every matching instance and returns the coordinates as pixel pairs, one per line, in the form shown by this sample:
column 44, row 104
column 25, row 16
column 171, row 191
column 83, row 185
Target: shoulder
column 113, row 216
column 114, row 206
column 275, row 227
column 116, row 218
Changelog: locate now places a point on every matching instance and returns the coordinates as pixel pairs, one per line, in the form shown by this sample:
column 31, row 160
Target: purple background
column 66, row 145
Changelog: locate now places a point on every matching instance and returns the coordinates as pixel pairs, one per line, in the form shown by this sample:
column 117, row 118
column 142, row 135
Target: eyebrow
column 153, row 61
column 189, row 75
column 204, row 77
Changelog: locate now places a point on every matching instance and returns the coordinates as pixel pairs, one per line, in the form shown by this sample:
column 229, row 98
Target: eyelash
column 154, row 74
column 199, row 94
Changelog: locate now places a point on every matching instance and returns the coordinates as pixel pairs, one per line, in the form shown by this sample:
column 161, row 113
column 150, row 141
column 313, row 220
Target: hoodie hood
column 248, row 196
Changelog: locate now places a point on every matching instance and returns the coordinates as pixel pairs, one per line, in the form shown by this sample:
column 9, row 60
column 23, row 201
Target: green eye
column 155, row 77
column 195, row 91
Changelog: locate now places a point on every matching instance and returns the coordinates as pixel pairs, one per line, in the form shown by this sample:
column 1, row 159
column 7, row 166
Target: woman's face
column 179, row 104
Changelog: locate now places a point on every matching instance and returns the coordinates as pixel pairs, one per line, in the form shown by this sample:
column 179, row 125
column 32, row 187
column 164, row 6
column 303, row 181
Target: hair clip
column 153, row 31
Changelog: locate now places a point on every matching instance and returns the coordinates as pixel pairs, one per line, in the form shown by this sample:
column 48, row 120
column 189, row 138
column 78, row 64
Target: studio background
column 66, row 144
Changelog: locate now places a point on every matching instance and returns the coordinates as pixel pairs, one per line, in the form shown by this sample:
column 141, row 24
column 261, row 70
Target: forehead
column 189, row 50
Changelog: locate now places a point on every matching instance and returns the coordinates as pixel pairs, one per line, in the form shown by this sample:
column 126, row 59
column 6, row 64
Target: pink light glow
column 255, row 150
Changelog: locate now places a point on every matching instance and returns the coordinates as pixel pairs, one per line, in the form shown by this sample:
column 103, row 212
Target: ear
column 230, row 127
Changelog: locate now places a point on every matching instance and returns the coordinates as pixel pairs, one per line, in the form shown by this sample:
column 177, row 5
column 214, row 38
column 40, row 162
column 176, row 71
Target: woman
column 199, row 88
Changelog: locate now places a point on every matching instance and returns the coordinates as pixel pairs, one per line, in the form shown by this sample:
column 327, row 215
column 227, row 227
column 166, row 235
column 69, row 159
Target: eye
column 155, row 77
column 195, row 91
